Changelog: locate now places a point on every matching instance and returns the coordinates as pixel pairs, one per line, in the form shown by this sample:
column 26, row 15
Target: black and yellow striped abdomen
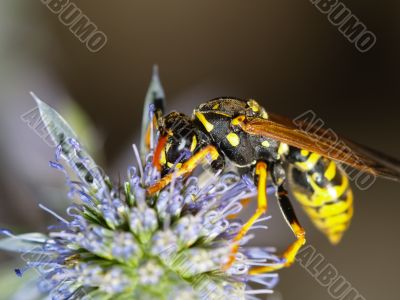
column 323, row 189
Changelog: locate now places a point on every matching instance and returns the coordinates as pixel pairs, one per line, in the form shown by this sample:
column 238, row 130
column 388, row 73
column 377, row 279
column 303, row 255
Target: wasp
column 241, row 133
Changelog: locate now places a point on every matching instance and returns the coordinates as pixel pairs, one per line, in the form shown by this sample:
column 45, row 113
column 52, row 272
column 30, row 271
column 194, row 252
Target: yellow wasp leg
column 289, row 255
column 186, row 168
column 261, row 172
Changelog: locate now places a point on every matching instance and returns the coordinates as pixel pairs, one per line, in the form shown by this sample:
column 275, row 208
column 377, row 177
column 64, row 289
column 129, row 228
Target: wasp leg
column 289, row 255
column 261, row 172
column 186, row 168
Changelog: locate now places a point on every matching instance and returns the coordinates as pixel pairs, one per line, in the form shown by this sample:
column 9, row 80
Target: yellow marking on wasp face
column 194, row 144
column 309, row 163
column 283, row 149
column 216, row 106
column 171, row 165
column 167, row 147
column 265, row 144
column 304, row 152
column 163, row 159
column 330, row 171
column 233, row 139
column 207, row 125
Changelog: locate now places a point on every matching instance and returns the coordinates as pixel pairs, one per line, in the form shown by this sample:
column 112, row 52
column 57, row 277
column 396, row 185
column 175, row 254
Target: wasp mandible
column 242, row 133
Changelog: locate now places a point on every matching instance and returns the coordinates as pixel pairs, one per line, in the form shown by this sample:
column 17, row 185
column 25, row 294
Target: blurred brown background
column 284, row 53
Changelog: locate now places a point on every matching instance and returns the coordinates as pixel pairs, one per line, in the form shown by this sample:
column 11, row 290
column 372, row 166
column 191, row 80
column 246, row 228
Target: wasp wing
column 307, row 132
column 153, row 109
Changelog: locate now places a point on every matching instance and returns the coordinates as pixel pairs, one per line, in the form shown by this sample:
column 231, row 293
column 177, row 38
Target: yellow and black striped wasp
column 238, row 132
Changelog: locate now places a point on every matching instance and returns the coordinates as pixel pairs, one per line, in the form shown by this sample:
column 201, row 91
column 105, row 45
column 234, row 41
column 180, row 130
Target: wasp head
column 178, row 141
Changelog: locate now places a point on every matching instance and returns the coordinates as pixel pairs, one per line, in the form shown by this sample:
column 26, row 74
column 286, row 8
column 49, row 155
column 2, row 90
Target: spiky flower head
column 118, row 242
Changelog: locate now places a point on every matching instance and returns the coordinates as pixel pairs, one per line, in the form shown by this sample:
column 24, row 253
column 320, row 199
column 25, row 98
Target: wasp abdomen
column 323, row 189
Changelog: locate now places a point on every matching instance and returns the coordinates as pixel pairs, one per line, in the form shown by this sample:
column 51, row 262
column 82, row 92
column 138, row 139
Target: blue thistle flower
column 118, row 242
